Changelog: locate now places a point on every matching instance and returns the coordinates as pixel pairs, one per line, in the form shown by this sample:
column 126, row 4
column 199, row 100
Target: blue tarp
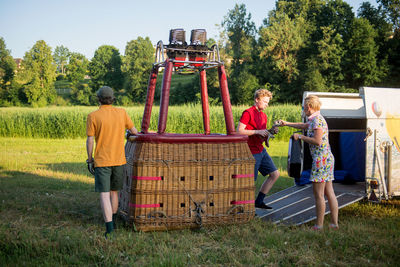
column 352, row 155
column 340, row 176
column 351, row 160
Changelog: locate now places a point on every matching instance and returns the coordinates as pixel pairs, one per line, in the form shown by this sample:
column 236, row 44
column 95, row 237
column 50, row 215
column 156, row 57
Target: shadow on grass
column 79, row 168
column 49, row 201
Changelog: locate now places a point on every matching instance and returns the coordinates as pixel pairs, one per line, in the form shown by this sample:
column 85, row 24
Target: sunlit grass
column 50, row 216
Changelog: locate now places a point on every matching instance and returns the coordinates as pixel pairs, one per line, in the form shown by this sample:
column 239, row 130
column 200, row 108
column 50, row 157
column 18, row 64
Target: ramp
column 295, row 205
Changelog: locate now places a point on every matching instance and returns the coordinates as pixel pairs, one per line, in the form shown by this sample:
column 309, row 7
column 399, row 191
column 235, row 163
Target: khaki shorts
column 108, row 178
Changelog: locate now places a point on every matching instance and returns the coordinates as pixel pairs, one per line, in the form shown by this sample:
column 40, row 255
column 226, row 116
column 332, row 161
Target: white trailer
column 364, row 134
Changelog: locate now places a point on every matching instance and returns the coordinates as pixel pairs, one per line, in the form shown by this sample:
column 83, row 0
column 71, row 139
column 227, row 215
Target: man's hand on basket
column 90, row 166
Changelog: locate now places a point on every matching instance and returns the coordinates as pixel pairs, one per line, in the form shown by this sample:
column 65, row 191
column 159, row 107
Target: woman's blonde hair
column 313, row 102
column 261, row 93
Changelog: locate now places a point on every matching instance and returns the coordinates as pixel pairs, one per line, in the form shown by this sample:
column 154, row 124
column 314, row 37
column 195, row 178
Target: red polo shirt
column 254, row 120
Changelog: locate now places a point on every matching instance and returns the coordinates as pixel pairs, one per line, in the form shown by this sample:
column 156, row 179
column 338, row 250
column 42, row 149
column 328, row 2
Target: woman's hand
column 295, row 136
column 281, row 123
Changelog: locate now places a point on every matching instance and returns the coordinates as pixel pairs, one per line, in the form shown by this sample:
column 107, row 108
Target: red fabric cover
column 226, row 101
column 254, row 120
column 149, row 99
column 188, row 138
column 204, row 102
column 165, row 91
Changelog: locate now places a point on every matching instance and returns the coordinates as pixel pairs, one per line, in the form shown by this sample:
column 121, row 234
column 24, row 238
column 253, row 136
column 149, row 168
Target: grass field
column 50, row 216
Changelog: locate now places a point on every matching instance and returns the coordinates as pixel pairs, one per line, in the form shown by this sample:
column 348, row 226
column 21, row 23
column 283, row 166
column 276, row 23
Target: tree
column 241, row 41
column 241, row 33
column 61, row 55
column 377, row 18
column 392, row 8
column 282, row 37
column 338, row 15
column 137, row 63
column 394, row 59
column 246, row 83
column 323, row 70
column 390, row 11
column 281, row 40
column 105, row 68
column 7, row 70
column 77, row 67
column 313, row 80
column 362, row 68
column 186, row 89
column 301, row 47
column 76, row 71
column 39, row 74
column 82, row 94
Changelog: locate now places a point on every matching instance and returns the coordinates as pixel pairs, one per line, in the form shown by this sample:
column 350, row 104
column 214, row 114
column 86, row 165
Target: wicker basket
column 183, row 182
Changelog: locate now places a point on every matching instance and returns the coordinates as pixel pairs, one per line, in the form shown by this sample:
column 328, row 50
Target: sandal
column 316, row 228
column 333, row 226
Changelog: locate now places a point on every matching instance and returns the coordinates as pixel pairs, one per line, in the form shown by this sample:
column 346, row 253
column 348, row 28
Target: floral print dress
column 323, row 160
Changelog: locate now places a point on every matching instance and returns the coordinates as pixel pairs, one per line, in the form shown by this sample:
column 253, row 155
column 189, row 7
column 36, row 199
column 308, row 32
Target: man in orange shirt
column 107, row 126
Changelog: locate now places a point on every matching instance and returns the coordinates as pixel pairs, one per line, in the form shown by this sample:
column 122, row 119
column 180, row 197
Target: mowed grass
column 50, row 216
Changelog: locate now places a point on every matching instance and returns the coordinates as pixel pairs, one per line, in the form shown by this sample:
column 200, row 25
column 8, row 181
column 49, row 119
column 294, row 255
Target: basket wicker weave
column 171, row 185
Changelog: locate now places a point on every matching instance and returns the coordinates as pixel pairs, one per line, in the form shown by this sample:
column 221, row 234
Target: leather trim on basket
column 157, row 178
column 144, row 205
column 250, row 175
column 242, row 202
column 187, row 138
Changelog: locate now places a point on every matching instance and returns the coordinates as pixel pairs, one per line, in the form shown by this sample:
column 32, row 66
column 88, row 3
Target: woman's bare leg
column 318, row 190
column 332, row 201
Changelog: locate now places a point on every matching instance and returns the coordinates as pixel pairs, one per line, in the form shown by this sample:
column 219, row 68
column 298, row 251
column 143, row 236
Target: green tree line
column 302, row 45
column 313, row 45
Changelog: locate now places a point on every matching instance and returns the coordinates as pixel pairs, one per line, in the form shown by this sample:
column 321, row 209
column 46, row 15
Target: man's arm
column 89, row 147
column 242, row 130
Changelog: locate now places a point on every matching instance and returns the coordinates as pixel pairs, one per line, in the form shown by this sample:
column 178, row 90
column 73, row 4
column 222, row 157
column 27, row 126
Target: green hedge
column 70, row 122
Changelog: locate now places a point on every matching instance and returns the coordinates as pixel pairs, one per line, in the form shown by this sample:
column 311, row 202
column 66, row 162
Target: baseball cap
column 105, row 91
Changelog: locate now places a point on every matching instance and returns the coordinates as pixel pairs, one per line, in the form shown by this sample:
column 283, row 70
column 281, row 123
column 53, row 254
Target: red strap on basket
column 234, row 202
column 144, row 205
column 157, row 178
column 243, row 175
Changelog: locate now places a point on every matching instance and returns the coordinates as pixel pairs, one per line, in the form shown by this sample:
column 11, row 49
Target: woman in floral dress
column 323, row 160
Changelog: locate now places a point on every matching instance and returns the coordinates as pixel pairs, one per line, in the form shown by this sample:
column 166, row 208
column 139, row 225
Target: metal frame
column 213, row 56
column 213, row 61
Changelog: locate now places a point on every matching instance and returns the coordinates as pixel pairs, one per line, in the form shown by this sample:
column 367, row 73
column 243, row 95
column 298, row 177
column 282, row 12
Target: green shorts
column 108, row 179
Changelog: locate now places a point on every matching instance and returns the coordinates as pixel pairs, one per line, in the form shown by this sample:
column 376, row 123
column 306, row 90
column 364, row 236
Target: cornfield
column 70, row 122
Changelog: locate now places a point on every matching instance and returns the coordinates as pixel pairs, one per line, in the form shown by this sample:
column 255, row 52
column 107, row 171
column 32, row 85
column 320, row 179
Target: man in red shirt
column 253, row 123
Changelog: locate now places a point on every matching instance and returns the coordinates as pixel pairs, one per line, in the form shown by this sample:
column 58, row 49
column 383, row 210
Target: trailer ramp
column 295, row 205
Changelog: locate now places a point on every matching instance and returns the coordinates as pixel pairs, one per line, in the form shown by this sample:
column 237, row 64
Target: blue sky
column 82, row 26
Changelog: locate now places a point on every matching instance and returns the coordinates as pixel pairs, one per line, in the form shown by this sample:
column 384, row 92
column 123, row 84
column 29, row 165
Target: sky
column 84, row 25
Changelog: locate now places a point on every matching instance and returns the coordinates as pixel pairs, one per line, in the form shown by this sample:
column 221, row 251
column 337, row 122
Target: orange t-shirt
column 107, row 125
